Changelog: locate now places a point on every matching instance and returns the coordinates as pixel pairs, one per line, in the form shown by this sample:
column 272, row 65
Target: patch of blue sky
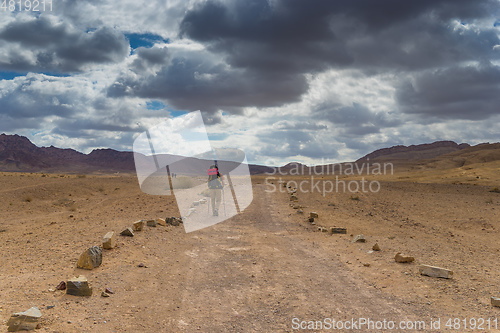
column 6, row 75
column 217, row 136
column 144, row 40
column 177, row 113
column 155, row 105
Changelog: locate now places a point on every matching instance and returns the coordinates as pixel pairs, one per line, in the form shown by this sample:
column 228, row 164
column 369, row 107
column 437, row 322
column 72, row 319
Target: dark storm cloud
column 303, row 36
column 471, row 92
column 78, row 128
column 265, row 48
column 9, row 124
column 58, row 47
column 355, row 120
column 27, row 101
column 147, row 57
column 198, row 84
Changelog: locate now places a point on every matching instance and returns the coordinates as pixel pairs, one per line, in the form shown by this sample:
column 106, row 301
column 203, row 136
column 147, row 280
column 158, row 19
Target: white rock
column 436, row 272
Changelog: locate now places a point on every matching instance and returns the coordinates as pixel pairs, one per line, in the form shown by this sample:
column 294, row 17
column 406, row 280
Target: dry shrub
column 354, row 197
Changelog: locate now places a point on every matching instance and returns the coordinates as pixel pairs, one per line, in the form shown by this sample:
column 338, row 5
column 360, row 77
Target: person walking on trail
column 215, row 185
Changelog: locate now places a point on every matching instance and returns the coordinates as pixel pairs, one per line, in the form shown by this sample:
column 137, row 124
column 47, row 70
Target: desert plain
column 265, row 270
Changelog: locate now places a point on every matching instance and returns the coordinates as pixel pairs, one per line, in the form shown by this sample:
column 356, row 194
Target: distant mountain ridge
column 414, row 152
column 19, row 154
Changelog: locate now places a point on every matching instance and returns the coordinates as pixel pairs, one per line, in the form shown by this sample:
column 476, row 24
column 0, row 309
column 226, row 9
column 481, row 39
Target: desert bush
column 495, row 190
column 354, row 197
column 81, row 176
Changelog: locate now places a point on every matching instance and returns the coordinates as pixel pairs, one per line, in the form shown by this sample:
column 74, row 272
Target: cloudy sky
column 281, row 79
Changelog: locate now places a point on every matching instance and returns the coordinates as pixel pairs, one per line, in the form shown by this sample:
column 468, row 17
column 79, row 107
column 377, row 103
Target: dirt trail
column 257, row 272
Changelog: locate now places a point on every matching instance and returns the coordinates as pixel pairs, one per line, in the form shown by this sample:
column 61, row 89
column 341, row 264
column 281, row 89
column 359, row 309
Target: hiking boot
column 216, row 212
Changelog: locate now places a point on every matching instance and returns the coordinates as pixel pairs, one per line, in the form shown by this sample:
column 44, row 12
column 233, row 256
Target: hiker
column 215, row 185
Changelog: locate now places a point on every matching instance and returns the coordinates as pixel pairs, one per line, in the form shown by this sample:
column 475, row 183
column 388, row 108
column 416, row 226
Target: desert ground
column 264, row 270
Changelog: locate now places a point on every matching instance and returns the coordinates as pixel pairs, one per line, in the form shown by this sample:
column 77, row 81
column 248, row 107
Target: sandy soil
column 253, row 273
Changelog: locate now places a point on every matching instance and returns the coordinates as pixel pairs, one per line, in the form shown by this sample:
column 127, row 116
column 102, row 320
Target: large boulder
column 78, row 286
column 24, row 321
column 91, row 258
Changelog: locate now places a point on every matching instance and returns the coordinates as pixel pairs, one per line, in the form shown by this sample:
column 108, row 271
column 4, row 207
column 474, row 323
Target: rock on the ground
column 314, row 215
column 109, row 240
column 403, row 258
column 138, row 225
column 127, row 232
column 335, row 230
column 434, row 271
column 359, row 239
column 61, row 285
column 161, row 222
column 78, row 286
column 300, row 211
column 196, row 203
column 104, row 294
column 90, row 258
column 173, row 221
column 376, row 247
column 495, row 301
column 151, row 223
column 311, row 219
column 24, row 321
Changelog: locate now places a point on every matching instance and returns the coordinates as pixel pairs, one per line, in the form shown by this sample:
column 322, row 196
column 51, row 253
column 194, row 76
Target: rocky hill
column 414, row 152
column 19, row 154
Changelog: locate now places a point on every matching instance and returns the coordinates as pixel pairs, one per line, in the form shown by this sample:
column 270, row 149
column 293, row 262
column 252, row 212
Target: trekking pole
column 223, row 200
